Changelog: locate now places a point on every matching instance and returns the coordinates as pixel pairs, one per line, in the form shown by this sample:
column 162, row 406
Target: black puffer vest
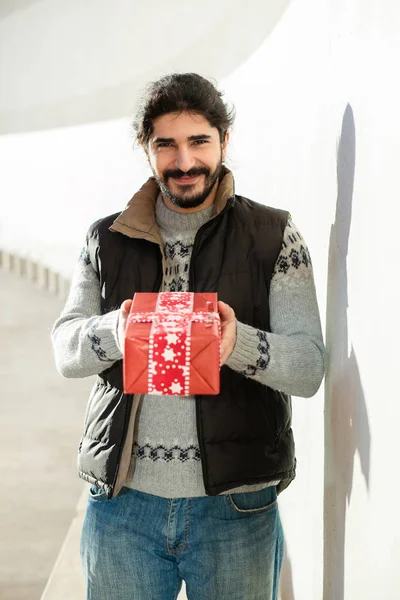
column 244, row 433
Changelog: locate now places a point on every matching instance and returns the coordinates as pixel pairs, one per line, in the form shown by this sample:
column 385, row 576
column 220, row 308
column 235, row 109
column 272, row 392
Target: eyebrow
column 192, row 138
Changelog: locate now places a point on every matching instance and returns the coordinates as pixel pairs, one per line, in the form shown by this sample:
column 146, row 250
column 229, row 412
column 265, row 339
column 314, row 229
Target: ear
column 225, row 144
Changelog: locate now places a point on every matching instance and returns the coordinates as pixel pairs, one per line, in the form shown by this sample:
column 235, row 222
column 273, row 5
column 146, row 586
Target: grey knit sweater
column 291, row 358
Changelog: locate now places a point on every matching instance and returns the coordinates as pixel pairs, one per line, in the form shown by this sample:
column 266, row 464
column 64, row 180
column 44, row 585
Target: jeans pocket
column 96, row 493
column 253, row 503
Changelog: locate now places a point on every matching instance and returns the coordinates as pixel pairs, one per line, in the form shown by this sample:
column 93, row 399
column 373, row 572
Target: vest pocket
column 282, row 414
column 93, row 393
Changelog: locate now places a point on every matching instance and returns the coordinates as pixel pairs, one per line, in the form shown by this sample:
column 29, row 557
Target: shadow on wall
column 227, row 39
column 7, row 7
column 346, row 419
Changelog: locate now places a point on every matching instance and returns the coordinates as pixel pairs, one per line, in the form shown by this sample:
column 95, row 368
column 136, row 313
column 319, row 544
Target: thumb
column 222, row 306
column 225, row 310
column 126, row 306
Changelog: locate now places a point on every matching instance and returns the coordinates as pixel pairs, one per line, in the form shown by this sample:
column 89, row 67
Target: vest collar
column 138, row 219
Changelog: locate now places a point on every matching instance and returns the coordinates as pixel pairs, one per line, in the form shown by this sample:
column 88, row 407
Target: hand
column 122, row 320
column 228, row 330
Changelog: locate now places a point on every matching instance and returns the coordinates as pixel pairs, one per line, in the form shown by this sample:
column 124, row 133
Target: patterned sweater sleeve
column 291, row 357
column 85, row 342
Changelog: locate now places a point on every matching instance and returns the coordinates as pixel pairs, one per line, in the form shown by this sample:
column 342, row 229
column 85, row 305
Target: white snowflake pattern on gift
column 176, row 388
column 171, row 338
column 180, row 307
column 185, row 370
column 153, row 367
column 174, row 302
column 171, row 344
column 168, row 354
column 171, row 327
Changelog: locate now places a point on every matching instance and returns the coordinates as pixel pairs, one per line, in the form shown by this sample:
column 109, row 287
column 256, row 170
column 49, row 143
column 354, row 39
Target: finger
column 126, row 306
column 222, row 358
column 225, row 310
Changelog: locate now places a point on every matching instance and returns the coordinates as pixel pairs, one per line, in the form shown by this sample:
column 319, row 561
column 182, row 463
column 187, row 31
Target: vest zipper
column 199, row 423
column 160, row 277
column 197, row 238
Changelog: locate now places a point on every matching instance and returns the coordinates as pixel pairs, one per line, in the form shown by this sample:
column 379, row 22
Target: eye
column 164, row 145
column 200, row 142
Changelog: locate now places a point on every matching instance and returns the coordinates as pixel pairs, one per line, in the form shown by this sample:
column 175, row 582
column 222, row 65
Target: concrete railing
column 38, row 274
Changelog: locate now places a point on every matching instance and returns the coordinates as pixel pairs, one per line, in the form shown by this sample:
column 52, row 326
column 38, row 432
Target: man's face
column 185, row 154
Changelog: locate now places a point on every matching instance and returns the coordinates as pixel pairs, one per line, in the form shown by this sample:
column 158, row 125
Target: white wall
column 317, row 133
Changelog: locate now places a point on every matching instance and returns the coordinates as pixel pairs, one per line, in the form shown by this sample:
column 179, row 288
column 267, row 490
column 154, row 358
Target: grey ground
column 41, row 417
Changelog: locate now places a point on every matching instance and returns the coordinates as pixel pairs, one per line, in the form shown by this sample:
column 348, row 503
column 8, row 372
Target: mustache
column 177, row 173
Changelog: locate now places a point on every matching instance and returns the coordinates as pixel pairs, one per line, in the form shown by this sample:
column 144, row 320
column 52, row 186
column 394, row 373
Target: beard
column 187, row 197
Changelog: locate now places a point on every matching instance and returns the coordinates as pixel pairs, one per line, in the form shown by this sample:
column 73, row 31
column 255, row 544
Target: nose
column 184, row 159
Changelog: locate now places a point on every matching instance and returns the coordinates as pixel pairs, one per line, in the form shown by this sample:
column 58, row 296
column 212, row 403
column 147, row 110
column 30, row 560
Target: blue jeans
column 140, row 547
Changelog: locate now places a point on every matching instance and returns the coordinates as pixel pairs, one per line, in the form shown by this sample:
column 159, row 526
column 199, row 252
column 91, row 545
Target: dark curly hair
column 182, row 92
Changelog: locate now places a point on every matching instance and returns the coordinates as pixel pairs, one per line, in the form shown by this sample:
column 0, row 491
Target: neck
column 209, row 201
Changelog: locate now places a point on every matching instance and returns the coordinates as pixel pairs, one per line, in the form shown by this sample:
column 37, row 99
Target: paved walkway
column 41, row 417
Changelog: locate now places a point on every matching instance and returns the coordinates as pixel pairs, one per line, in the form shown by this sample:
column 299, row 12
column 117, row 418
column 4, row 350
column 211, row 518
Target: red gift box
column 172, row 344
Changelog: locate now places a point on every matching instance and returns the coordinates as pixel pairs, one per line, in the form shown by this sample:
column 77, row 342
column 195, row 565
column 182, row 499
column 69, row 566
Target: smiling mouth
column 186, row 180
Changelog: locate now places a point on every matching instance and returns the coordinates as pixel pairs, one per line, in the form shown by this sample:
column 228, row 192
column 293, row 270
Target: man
column 185, row 488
